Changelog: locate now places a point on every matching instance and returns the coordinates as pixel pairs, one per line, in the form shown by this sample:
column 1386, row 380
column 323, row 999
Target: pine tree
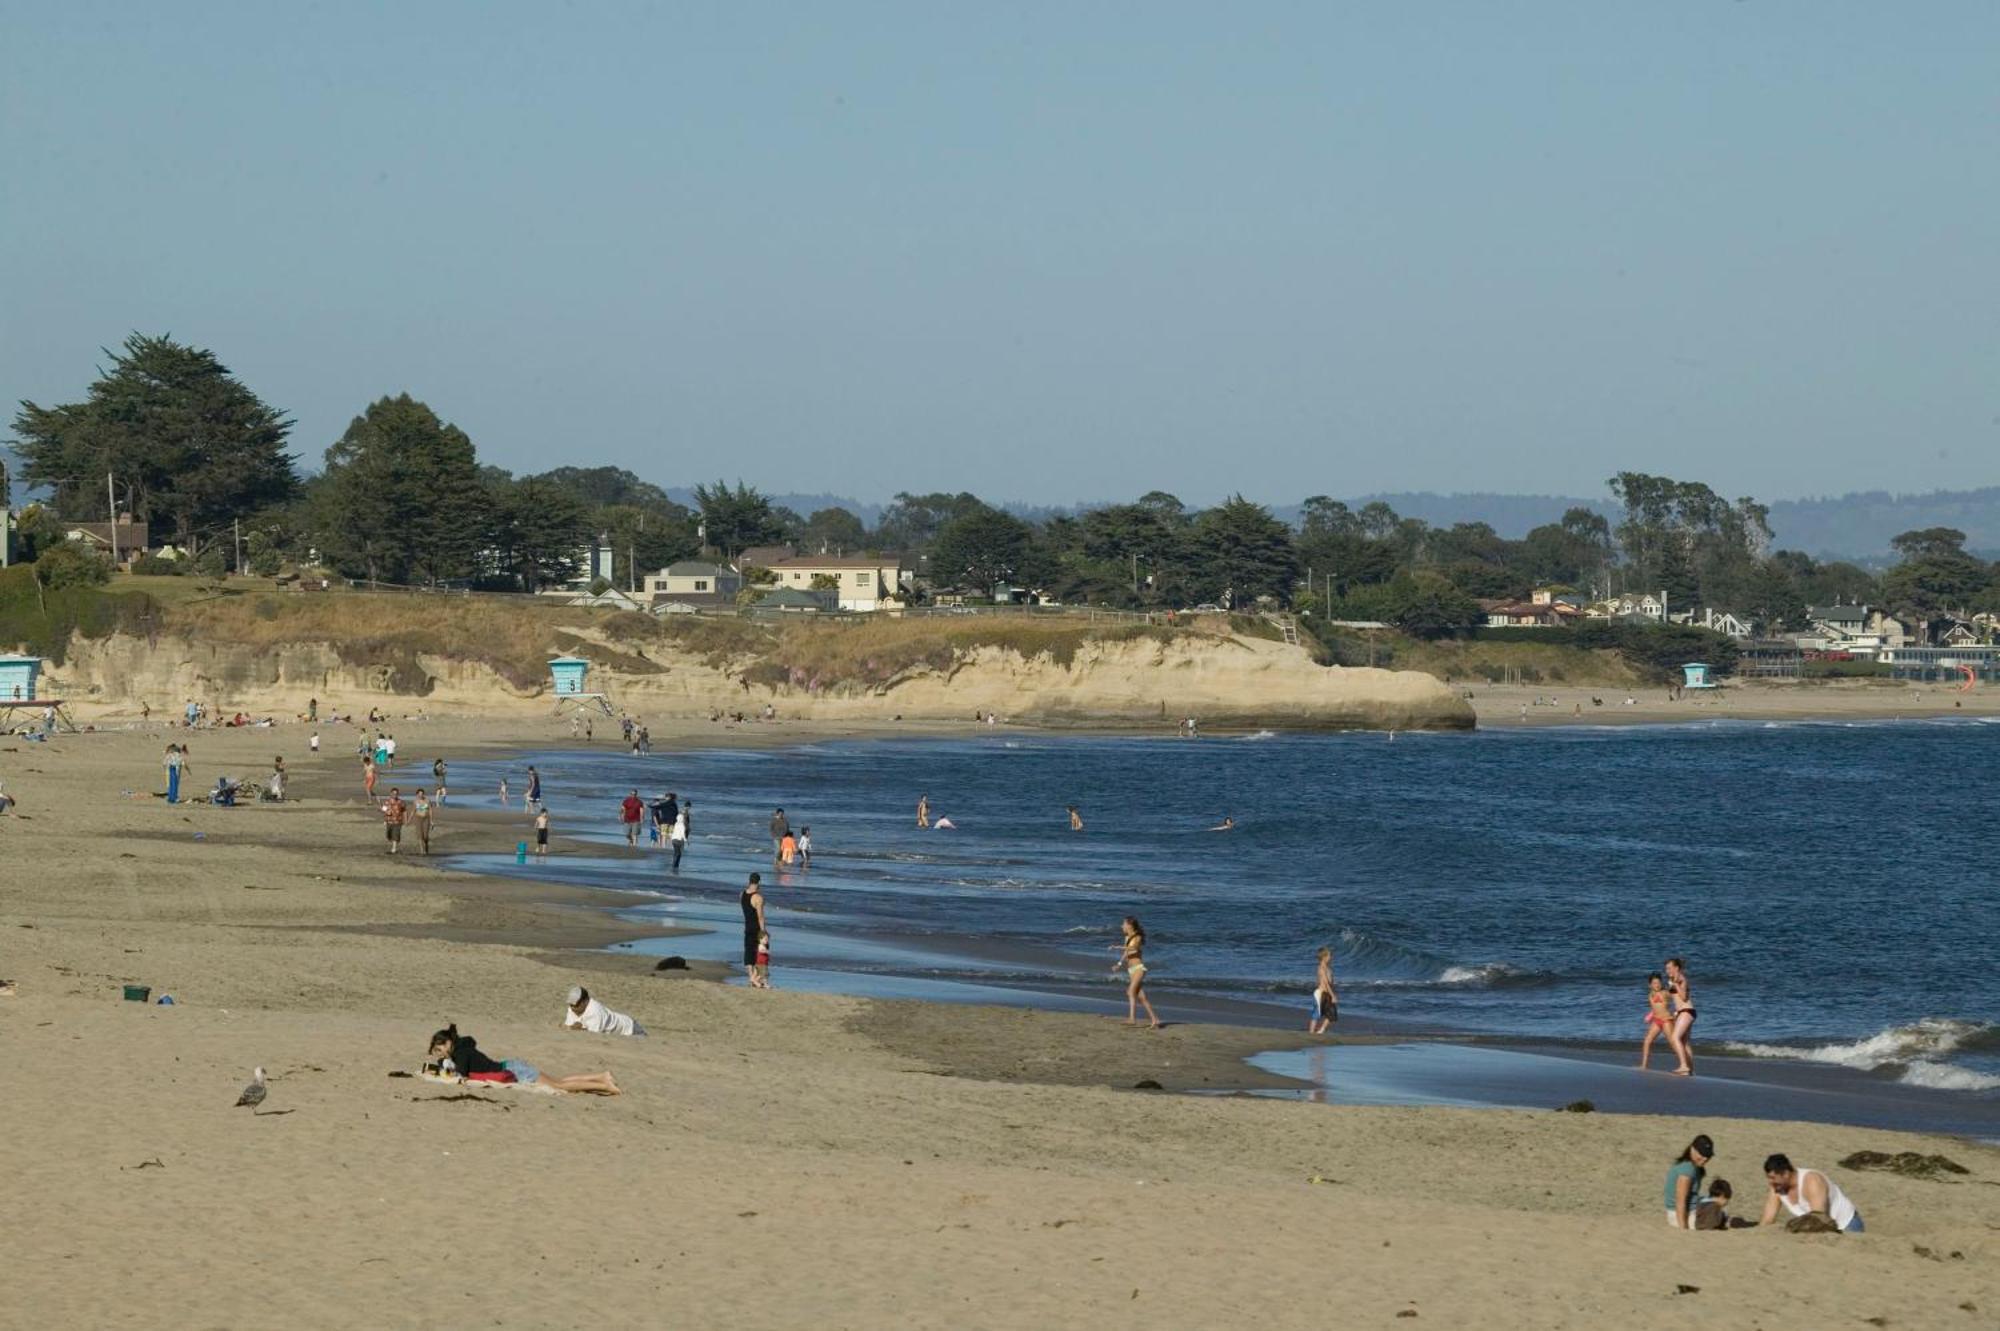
column 401, row 500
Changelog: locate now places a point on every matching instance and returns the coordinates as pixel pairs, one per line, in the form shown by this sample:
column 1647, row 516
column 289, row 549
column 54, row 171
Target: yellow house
column 859, row 582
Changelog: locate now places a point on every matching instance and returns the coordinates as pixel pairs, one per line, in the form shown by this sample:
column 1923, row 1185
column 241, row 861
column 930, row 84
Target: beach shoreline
column 1506, row 706
column 906, row 1157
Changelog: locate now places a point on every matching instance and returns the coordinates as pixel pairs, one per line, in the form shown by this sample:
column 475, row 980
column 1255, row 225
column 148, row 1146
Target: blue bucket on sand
column 520, row 852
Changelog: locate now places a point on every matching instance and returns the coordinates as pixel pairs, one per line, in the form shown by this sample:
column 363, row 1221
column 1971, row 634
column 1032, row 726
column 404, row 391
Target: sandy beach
column 777, row 1158
column 1504, row 705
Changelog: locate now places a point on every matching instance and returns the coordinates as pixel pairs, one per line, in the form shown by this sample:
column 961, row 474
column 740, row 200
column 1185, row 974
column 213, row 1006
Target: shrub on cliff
column 41, row 620
column 70, row 565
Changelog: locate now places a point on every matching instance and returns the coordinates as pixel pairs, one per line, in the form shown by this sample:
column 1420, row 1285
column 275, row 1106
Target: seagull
column 253, row 1094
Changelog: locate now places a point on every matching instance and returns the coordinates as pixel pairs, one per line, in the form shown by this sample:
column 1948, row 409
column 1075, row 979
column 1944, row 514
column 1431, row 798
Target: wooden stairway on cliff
column 1287, row 626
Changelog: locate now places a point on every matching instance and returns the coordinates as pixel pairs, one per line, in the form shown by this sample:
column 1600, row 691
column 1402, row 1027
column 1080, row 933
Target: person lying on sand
column 585, row 1013
column 468, row 1063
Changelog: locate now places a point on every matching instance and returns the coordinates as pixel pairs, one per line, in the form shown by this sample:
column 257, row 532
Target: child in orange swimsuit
column 1657, row 1019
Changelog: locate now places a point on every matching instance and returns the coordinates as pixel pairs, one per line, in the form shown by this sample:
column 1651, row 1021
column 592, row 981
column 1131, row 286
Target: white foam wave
column 1493, row 972
column 1915, row 1048
column 1260, row 734
column 1947, row 1077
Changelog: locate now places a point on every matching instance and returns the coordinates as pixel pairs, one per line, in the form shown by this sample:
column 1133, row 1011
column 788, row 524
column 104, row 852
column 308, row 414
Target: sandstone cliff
column 1044, row 672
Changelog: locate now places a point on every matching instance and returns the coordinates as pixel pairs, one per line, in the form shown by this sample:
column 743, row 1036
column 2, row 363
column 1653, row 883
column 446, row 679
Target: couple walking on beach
column 396, row 815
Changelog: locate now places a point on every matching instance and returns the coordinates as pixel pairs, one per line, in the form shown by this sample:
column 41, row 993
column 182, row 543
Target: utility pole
column 237, row 525
column 111, row 511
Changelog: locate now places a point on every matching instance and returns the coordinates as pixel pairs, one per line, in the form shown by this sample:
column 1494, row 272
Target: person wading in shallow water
column 752, row 902
column 781, row 828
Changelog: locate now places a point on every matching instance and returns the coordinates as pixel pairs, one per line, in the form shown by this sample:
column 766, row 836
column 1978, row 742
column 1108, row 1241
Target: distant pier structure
column 569, row 676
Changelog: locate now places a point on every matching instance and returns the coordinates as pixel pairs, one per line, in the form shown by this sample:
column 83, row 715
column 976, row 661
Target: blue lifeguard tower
column 569, row 677
column 20, row 681
column 18, row 676
column 1694, row 675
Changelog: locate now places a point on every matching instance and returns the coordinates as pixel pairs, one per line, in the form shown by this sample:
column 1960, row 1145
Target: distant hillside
column 1852, row 526
column 1860, row 525
column 1513, row 516
column 805, row 505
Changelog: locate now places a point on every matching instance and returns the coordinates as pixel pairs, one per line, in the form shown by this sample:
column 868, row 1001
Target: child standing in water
column 1326, row 1004
column 542, row 833
column 1657, row 1019
column 805, row 848
column 760, row 970
column 788, row 848
column 1132, row 959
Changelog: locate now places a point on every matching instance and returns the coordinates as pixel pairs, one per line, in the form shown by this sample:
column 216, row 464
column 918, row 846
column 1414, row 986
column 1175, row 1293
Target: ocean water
column 1832, row 886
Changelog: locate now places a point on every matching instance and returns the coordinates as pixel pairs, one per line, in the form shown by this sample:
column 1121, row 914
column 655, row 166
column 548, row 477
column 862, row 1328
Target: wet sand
column 1501, row 706
column 779, row 1157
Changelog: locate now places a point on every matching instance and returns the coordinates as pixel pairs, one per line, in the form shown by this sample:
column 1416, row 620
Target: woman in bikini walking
column 1684, row 1015
column 1132, row 959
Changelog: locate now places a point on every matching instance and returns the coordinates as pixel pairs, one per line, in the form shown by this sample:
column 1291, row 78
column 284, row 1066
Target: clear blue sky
column 1042, row 251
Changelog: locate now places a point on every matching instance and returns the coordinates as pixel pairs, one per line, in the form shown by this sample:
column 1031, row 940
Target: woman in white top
column 1804, row 1191
column 679, row 836
column 587, row 1014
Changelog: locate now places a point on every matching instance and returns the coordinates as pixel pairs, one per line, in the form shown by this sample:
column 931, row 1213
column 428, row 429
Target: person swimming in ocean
column 1132, row 960
column 923, row 811
column 1075, row 819
column 1226, row 825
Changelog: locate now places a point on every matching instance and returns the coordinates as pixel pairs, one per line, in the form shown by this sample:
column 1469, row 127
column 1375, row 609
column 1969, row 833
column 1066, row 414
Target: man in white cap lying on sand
column 587, row 1014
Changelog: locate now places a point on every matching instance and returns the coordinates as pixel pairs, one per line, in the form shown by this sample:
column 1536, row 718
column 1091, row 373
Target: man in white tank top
column 1804, row 1191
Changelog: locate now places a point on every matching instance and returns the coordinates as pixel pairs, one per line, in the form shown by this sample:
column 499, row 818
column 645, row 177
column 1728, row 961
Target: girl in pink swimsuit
column 1657, row 1020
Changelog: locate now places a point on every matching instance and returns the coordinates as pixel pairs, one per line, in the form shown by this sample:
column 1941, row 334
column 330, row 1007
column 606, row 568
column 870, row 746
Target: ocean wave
column 1492, row 975
column 1260, row 734
column 1947, row 1077
column 1378, row 963
column 1913, row 1052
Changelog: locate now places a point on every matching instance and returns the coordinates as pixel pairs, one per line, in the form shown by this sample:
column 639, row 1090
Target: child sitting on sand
column 1657, row 1018
column 1713, row 1213
column 760, row 971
